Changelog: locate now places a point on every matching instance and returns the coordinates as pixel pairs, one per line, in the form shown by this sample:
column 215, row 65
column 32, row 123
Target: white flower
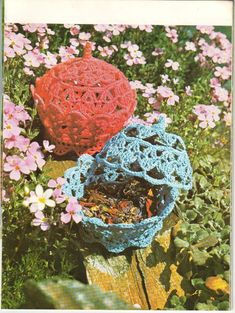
column 172, row 64
column 47, row 146
column 39, row 199
column 165, row 78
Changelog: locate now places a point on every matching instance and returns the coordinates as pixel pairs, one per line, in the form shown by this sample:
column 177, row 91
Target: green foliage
column 68, row 295
column 203, row 240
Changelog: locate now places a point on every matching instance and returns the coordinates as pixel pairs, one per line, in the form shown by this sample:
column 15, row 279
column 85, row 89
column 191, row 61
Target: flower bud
column 26, row 190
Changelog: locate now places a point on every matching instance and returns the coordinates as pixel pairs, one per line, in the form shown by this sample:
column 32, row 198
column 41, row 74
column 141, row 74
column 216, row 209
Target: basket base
column 118, row 244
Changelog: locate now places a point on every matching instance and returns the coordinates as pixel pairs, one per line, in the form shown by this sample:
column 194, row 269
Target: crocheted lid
column 82, row 103
column 148, row 152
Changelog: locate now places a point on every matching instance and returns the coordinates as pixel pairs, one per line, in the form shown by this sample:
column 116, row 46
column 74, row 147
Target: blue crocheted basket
column 142, row 151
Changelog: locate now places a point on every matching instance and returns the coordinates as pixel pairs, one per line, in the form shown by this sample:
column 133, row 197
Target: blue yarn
column 164, row 163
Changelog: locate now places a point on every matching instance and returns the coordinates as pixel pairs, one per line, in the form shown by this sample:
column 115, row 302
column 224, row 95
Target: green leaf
column 191, row 215
column 227, row 259
column 198, row 202
column 199, row 257
column 70, row 294
column 206, row 306
column 203, row 182
column 223, row 306
column 201, row 234
column 177, row 302
column 180, row 243
column 207, row 242
column 198, row 283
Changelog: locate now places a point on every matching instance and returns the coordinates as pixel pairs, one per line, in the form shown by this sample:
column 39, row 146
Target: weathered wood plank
column 118, row 273
column 139, row 276
column 159, row 271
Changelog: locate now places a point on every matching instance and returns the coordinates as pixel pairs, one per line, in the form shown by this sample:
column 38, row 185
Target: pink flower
column 84, row 36
column 15, row 166
column 8, row 52
column 74, row 42
column 59, row 196
column 49, row 148
column 214, row 82
column 57, row 193
column 35, row 152
column 58, row 183
column 49, row 59
column 68, row 25
column 41, row 221
column 74, row 30
column 10, row 129
column 228, row 118
column 172, row 64
column 14, row 113
column 164, row 91
column 116, row 29
column 200, row 109
column 30, row 163
column 221, row 94
column 190, row 46
column 135, row 120
column 107, row 37
column 228, row 102
column 126, row 44
column 20, row 114
column 205, row 29
column 32, row 28
column 206, row 121
column 107, row 51
column 67, row 53
column 215, row 53
column 172, row 34
column 17, row 141
column 134, row 60
column 167, row 119
column 154, row 117
column 101, row 27
column 147, row 28
column 201, row 58
column 157, row 52
column 43, row 42
column 28, row 71
column 4, row 197
column 172, row 99
column 73, row 210
column 135, row 56
column 17, row 42
column 207, row 115
column 33, row 58
column 136, row 84
column 223, row 72
column 148, row 90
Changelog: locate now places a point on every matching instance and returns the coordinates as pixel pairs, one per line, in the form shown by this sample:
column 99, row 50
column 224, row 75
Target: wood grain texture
column 144, row 277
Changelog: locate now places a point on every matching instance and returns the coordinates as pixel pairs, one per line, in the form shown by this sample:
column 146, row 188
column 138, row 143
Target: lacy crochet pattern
column 82, row 103
column 138, row 150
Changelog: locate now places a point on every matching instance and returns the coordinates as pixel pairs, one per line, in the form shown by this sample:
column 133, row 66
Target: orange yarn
column 82, row 103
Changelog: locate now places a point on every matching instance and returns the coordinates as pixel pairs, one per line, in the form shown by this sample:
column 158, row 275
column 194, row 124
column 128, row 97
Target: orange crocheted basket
column 82, row 103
